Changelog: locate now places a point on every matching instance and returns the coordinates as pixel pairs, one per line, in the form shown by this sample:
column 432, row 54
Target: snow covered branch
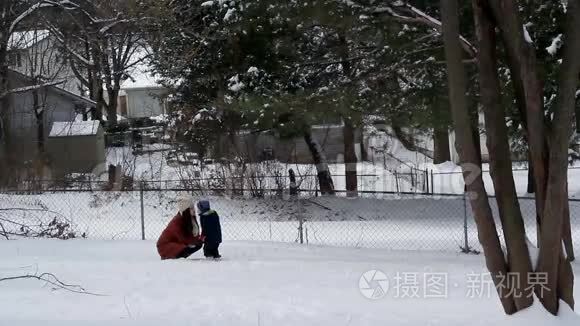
column 332, row 62
column 34, row 8
column 31, row 88
column 48, row 224
column 406, row 13
column 60, row 38
column 3, row 231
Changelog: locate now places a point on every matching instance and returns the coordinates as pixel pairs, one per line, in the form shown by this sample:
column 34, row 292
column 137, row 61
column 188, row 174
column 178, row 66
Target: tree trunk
column 567, row 234
column 350, row 160
column 523, row 66
column 39, row 115
column 407, row 141
column 531, row 186
column 112, row 107
column 518, row 256
column 99, row 99
column 441, row 151
column 97, row 82
column 364, row 155
column 324, row 177
column 467, row 151
column 5, row 109
column 560, row 279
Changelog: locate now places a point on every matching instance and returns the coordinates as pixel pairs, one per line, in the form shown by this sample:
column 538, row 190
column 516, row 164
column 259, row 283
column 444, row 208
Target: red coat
column 176, row 237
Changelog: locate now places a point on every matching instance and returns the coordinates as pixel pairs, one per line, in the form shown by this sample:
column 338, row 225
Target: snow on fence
column 373, row 220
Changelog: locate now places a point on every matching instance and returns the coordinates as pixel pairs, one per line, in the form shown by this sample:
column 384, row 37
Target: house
column 28, row 127
column 36, row 53
column 142, row 96
column 268, row 145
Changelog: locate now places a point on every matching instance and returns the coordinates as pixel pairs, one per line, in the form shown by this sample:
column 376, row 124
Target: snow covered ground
column 376, row 175
column 256, row 284
column 449, row 180
column 388, row 172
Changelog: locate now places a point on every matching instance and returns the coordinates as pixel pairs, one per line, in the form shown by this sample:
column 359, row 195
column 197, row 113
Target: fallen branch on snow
column 51, row 279
column 56, row 227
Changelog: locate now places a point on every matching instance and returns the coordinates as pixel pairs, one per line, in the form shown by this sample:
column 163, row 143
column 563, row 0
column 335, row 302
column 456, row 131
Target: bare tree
column 104, row 42
column 13, row 14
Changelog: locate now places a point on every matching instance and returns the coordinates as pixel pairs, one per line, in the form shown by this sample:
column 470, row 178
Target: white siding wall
column 44, row 59
column 455, row 155
column 143, row 103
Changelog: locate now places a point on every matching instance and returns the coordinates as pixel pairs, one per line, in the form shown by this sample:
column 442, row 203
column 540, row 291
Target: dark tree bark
column 550, row 163
column 441, row 151
column 403, row 138
column 500, row 159
column 111, row 106
column 567, row 234
column 39, row 115
column 531, row 186
column 529, row 90
column 5, row 109
column 364, row 155
column 350, row 160
column 4, row 100
column 98, row 112
column 293, row 184
column 348, row 131
column 466, row 148
column 551, row 262
column 324, row 177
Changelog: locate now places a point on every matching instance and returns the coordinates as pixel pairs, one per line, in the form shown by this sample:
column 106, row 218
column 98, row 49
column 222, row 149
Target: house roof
column 74, row 128
column 26, row 39
column 77, row 99
column 74, row 97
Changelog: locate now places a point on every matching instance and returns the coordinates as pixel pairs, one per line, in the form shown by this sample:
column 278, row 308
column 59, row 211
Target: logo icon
column 373, row 285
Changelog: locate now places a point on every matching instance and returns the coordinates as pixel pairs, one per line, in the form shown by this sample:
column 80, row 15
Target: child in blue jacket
column 211, row 229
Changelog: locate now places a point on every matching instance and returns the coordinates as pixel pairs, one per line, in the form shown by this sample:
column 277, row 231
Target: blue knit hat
column 203, row 206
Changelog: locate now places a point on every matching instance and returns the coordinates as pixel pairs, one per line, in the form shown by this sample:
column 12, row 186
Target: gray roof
column 74, row 128
column 77, row 99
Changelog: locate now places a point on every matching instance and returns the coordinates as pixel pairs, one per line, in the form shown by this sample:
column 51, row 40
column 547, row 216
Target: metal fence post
column 432, row 183
column 465, row 227
column 142, row 213
column 301, row 229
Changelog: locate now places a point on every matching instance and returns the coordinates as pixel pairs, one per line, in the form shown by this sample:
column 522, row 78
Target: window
column 15, row 59
column 11, row 59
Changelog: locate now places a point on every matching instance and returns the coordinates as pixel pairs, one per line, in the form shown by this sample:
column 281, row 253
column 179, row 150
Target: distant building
column 21, row 121
column 142, row 96
column 268, row 145
column 76, row 147
column 36, row 54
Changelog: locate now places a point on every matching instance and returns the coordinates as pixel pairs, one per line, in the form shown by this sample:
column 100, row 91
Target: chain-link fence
column 373, row 220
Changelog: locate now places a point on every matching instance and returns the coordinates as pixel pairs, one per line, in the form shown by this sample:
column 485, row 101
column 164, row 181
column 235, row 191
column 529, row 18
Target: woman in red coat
column 181, row 237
